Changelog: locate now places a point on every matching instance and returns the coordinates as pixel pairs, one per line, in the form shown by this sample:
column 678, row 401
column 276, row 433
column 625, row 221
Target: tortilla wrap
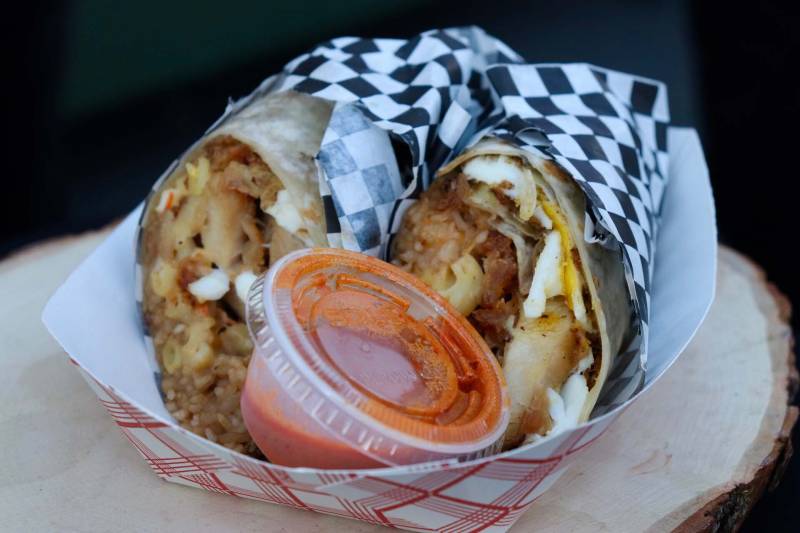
column 553, row 308
column 243, row 196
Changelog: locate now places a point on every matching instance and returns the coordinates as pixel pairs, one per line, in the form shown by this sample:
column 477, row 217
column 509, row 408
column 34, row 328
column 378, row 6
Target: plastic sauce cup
column 358, row 364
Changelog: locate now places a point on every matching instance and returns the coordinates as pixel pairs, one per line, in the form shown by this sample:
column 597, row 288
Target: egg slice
column 555, row 272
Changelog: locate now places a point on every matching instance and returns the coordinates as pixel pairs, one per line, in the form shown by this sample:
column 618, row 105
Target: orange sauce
column 431, row 377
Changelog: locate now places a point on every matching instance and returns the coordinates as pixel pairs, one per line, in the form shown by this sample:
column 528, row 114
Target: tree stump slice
column 694, row 453
column 697, row 450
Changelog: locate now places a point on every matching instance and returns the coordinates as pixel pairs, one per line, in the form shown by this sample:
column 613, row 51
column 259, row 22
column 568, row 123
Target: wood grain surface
column 693, row 454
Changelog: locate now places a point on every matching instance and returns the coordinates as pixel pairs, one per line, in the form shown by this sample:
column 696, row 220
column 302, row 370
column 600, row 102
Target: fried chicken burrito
column 242, row 198
column 500, row 234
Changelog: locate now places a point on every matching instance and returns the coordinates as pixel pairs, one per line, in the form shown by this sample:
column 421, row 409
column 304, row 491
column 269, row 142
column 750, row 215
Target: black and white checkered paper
column 608, row 130
column 429, row 92
column 403, row 108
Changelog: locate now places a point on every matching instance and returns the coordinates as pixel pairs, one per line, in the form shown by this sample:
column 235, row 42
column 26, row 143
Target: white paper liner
column 94, row 317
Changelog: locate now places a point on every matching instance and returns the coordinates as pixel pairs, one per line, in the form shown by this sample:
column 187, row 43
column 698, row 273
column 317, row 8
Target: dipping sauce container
column 358, row 364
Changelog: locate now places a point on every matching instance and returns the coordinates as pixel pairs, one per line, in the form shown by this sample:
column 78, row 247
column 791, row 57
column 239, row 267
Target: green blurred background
column 118, row 51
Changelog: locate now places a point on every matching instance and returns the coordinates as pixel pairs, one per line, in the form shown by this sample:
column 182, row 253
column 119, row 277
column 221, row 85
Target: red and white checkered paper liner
column 486, row 495
column 93, row 316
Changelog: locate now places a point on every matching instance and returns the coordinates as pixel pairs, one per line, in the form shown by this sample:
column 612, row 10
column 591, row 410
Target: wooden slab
column 693, row 454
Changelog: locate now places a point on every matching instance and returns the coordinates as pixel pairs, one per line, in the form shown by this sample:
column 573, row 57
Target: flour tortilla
column 199, row 338
column 285, row 129
column 603, row 269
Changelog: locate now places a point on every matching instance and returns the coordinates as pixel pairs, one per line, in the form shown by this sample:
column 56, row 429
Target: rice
column 213, row 220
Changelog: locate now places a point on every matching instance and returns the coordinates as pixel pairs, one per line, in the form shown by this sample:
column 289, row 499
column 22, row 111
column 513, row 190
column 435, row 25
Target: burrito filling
column 218, row 223
column 492, row 240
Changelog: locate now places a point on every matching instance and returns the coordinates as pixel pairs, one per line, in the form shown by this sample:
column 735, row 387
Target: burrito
column 244, row 196
column 500, row 234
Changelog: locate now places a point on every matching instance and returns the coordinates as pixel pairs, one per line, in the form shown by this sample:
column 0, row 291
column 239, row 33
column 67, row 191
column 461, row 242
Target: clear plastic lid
column 377, row 359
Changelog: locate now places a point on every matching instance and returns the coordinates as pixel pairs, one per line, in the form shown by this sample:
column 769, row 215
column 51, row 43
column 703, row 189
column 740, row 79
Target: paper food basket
column 94, row 314
column 94, row 317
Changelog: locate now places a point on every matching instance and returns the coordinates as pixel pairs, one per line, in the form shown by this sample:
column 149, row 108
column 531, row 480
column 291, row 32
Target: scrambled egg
column 210, row 287
column 286, row 213
column 565, row 406
column 555, row 272
column 510, row 176
column 243, row 283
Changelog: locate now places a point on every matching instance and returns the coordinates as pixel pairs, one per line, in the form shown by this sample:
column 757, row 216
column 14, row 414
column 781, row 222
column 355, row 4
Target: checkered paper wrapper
column 607, row 129
column 431, row 94
column 428, row 93
column 422, row 97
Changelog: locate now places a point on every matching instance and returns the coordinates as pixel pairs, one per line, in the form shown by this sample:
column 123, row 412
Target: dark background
column 103, row 95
